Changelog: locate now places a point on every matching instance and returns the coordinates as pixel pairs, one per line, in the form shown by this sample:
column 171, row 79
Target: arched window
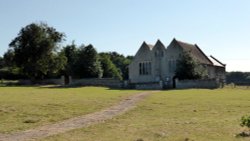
column 140, row 68
column 172, row 65
column 159, row 53
column 145, row 68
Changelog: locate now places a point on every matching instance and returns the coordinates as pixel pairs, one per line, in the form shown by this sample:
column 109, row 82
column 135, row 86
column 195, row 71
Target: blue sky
column 220, row 27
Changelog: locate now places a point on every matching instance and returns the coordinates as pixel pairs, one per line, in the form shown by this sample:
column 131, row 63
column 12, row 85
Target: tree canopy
column 87, row 64
column 120, row 61
column 109, row 69
column 188, row 68
column 71, row 52
column 1, row 62
column 35, row 50
column 239, row 78
column 8, row 58
column 35, row 54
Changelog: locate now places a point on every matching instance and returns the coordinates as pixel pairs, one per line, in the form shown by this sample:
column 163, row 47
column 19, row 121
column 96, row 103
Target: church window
column 145, row 68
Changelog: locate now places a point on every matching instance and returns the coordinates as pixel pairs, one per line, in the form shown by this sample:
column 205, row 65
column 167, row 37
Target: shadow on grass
column 243, row 135
column 72, row 87
column 53, row 86
column 20, row 85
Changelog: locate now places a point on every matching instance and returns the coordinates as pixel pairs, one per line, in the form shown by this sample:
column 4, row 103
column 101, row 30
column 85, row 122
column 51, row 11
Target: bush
column 11, row 74
column 245, row 121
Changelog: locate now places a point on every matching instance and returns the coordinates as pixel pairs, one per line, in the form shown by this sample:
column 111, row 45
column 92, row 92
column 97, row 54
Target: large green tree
column 71, row 52
column 88, row 63
column 188, row 68
column 109, row 69
column 121, row 62
column 35, row 50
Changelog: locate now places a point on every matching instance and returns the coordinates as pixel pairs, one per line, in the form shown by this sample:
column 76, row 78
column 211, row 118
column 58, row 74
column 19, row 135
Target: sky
column 220, row 27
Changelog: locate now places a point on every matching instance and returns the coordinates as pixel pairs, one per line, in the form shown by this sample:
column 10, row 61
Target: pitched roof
column 216, row 62
column 159, row 44
column 195, row 51
column 150, row 47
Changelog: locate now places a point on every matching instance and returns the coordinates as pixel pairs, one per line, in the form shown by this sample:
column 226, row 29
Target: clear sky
column 220, row 27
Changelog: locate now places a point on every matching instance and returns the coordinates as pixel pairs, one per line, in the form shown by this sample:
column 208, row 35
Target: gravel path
column 76, row 122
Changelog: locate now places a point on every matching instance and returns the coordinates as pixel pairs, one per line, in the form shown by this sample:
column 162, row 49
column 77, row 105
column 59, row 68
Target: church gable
column 155, row 63
column 144, row 49
column 159, row 49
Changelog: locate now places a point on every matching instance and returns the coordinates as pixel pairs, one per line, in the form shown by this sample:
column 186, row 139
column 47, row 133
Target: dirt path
column 77, row 122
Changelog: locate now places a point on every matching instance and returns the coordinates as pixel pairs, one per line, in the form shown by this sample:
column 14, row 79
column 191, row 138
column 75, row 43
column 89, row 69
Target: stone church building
column 155, row 63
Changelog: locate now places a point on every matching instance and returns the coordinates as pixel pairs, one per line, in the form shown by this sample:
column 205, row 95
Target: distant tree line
column 36, row 54
column 238, row 78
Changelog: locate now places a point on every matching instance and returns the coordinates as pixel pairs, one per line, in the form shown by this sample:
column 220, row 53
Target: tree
column 239, row 78
column 109, row 69
column 120, row 62
column 1, row 62
column 71, row 53
column 126, row 62
column 188, row 68
column 35, row 50
column 9, row 58
column 57, row 61
column 88, row 64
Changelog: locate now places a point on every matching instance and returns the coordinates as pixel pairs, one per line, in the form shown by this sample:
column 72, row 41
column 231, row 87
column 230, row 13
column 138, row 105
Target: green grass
column 27, row 107
column 176, row 115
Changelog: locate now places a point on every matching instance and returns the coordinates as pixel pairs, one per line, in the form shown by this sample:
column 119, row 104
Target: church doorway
column 174, row 82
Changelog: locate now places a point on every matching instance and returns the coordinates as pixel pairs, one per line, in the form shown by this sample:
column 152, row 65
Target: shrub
column 245, row 121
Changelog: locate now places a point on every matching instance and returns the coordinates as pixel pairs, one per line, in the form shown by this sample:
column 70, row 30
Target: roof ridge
column 184, row 42
column 160, row 43
column 150, row 46
column 217, row 60
column 203, row 53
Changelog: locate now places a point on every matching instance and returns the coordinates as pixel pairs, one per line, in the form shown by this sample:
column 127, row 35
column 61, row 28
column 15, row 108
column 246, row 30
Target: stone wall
column 149, row 86
column 42, row 82
column 114, row 83
column 106, row 82
column 208, row 84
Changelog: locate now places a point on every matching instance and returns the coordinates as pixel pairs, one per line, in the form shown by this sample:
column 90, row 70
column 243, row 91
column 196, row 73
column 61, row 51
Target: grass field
column 175, row 115
column 27, row 107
